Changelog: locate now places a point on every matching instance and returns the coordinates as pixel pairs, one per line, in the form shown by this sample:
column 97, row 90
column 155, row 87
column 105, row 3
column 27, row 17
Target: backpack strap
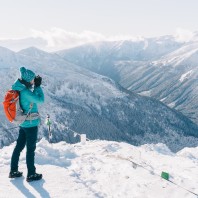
column 29, row 116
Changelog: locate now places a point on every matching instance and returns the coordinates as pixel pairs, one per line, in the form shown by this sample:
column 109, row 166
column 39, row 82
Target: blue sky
column 107, row 17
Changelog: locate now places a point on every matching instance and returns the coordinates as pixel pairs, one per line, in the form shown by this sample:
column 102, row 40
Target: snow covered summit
column 102, row 169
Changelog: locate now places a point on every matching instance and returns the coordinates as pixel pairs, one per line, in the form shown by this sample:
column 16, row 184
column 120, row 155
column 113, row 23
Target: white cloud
column 183, row 35
column 60, row 39
column 126, row 37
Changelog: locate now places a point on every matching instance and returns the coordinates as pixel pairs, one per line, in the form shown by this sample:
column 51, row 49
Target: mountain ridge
column 95, row 104
column 169, row 76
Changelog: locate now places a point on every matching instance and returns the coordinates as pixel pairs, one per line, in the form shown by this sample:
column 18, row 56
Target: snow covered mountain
column 93, row 104
column 103, row 169
column 18, row 44
column 162, row 68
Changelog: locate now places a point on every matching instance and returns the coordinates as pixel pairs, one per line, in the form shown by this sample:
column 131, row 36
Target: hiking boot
column 14, row 174
column 34, row 177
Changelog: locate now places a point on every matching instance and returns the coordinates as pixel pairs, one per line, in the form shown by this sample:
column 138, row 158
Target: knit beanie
column 27, row 74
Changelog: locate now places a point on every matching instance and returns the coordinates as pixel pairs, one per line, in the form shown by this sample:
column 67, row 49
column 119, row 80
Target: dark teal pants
column 28, row 137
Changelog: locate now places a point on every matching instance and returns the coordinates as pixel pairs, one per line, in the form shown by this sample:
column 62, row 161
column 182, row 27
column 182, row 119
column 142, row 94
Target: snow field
column 101, row 169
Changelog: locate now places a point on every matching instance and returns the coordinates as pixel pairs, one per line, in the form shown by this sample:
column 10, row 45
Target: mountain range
column 86, row 102
column 163, row 68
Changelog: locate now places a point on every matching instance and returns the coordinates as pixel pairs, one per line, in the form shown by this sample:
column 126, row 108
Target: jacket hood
column 18, row 86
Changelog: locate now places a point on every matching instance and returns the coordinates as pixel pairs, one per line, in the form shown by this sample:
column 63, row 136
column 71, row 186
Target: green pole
column 48, row 122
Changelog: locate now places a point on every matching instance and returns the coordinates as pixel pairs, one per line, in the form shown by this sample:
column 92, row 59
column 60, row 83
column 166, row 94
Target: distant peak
column 33, row 51
column 5, row 49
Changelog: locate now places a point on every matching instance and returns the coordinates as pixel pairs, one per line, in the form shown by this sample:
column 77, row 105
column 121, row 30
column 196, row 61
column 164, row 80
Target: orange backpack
column 12, row 108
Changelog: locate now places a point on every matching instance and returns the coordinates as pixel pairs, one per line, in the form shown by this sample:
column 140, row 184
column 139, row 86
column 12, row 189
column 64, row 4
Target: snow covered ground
column 103, row 169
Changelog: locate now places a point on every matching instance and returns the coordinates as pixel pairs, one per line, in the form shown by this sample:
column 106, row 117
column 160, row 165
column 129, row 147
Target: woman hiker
column 28, row 130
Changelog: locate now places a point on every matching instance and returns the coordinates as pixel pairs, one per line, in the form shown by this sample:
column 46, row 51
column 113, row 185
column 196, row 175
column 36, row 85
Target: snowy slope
column 161, row 68
column 101, row 169
column 185, row 55
column 96, row 105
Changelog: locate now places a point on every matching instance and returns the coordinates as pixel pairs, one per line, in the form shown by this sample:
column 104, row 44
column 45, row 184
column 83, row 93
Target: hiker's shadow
column 19, row 183
column 38, row 186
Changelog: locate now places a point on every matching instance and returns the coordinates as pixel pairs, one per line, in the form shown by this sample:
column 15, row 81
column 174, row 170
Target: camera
column 37, row 81
column 37, row 77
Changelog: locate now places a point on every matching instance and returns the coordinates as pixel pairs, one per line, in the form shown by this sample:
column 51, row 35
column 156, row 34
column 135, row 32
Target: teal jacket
column 27, row 97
